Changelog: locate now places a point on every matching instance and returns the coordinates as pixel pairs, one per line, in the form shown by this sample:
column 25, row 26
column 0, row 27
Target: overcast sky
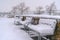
column 7, row 5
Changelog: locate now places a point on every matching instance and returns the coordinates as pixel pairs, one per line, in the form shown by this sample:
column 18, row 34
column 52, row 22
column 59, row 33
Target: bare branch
column 51, row 9
column 39, row 10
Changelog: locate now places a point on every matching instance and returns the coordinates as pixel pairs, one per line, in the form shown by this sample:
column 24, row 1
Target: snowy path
column 9, row 31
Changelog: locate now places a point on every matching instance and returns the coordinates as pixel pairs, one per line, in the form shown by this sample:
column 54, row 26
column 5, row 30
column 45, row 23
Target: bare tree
column 51, row 9
column 39, row 10
column 20, row 9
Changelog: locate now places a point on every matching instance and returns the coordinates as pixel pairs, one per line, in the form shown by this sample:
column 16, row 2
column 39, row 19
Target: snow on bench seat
column 45, row 27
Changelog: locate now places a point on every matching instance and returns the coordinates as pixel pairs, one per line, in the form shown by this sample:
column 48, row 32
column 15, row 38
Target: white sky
column 6, row 5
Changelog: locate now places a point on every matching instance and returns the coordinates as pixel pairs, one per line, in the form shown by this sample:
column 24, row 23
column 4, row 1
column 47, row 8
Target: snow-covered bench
column 28, row 19
column 20, row 21
column 45, row 27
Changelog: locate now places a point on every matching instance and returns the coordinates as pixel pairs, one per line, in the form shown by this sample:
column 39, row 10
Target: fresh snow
column 42, row 16
column 45, row 27
column 9, row 31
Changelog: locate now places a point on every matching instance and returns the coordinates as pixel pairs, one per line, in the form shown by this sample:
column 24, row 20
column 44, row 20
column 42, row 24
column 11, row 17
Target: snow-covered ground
column 9, row 31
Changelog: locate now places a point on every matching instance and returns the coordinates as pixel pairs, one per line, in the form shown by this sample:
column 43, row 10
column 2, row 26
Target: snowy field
column 9, row 31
